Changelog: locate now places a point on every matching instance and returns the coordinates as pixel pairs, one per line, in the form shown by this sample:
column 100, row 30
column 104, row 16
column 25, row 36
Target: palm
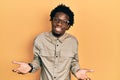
column 81, row 74
column 23, row 67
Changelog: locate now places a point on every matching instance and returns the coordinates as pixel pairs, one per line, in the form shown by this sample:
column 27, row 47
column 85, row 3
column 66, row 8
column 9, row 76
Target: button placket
column 57, row 49
column 56, row 52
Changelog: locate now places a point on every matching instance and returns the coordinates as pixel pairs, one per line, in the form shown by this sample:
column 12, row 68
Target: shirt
column 56, row 57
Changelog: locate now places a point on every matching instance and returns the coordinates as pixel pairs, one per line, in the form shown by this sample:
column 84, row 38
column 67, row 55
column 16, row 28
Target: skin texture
column 58, row 29
column 23, row 67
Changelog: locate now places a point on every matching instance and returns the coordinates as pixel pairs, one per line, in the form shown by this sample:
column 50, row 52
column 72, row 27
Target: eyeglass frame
column 63, row 22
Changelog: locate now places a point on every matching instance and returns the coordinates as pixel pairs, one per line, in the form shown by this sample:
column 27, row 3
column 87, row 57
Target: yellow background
column 97, row 28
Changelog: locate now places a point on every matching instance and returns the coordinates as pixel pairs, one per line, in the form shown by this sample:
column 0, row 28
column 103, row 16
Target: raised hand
column 23, row 67
column 81, row 74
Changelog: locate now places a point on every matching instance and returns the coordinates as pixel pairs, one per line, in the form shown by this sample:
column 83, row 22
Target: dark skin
column 58, row 30
column 59, row 27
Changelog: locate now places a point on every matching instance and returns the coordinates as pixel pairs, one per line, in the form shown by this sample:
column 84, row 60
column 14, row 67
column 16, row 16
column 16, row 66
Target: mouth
column 58, row 29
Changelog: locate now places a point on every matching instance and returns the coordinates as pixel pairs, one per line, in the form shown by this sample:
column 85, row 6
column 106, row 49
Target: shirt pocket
column 47, row 57
column 66, row 56
column 65, row 60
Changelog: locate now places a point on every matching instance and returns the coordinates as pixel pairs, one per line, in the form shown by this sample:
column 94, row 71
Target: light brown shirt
column 56, row 56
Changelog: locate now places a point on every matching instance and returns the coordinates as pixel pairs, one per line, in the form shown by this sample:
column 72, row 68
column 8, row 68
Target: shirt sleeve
column 75, row 61
column 36, row 63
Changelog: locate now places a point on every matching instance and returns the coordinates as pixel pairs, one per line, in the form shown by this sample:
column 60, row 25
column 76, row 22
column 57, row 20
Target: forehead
column 62, row 15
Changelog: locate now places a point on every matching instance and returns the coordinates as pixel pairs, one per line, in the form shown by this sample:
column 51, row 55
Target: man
column 56, row 52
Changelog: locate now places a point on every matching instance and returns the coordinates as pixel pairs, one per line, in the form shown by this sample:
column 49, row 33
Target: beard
column 56, row 34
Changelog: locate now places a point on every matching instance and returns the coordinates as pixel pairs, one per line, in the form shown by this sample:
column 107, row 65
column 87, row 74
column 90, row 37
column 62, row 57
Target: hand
column 23, row 67
column 81, row 74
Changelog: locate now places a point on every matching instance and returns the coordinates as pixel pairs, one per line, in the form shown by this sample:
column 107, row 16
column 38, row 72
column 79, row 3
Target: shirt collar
column 61, row 39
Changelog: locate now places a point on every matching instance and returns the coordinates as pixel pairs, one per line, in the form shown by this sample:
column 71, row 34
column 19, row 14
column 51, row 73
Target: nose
column 59, row 23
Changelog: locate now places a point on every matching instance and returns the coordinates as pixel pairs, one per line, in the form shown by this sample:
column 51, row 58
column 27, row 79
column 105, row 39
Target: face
column 60, row 24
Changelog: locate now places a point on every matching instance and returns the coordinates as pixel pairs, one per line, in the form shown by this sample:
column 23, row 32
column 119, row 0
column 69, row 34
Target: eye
column 56, row 20
column 63, row 22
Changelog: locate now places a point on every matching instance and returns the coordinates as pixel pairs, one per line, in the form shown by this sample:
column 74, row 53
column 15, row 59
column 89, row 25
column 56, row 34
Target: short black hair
column 65, row 9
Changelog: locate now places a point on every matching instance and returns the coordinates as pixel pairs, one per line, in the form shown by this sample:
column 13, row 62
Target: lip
column 58, row 29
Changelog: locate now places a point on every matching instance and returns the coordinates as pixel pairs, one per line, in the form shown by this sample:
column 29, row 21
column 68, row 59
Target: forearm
column 75, row 67
column 35, row 64
column 75, row 64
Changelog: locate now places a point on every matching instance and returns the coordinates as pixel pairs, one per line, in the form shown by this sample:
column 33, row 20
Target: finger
column 90, row 70
column 14, row 70
column 17, row 71
column 88, row 78
column 16, row 62
column 20, row 72
column 83, row 77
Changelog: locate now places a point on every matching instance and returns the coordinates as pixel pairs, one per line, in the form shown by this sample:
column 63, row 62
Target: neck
column 57, row 35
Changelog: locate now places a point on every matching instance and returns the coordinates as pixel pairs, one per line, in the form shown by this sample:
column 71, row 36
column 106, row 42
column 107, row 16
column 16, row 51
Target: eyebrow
column 61, row 19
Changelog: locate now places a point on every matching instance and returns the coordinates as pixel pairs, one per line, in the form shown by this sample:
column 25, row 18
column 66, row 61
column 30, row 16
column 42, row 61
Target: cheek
column 64, row 29
column 53, row 24
column 67, row 27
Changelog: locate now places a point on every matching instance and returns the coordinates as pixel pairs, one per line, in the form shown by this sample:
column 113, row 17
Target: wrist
column 31, row 67
column 77, row 70
column 77, row 74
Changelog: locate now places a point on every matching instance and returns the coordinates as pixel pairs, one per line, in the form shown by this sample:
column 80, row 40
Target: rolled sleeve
column 36, row 63
column 75, row 61
column 75, row 64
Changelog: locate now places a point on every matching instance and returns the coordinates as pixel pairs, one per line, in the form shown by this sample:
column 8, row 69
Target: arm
column 75, row 68
column 75, row 61
column 36, row 63
column 24, row 67
column 82, row 74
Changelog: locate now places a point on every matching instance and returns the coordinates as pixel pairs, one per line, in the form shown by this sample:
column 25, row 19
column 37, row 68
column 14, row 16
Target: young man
column 56, row 52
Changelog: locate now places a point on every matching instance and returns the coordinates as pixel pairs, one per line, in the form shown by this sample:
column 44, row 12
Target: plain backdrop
column 97, row 28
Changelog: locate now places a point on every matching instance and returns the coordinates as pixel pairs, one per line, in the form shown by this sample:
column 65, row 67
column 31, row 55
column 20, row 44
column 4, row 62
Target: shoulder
column 72, row 41
column 41, row 36
column 72, row 37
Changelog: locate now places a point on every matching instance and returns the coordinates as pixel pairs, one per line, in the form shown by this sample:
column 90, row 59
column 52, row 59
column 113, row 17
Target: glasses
column 63, row 22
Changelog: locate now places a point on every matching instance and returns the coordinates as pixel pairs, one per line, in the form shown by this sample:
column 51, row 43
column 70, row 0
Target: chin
column 57, row 34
